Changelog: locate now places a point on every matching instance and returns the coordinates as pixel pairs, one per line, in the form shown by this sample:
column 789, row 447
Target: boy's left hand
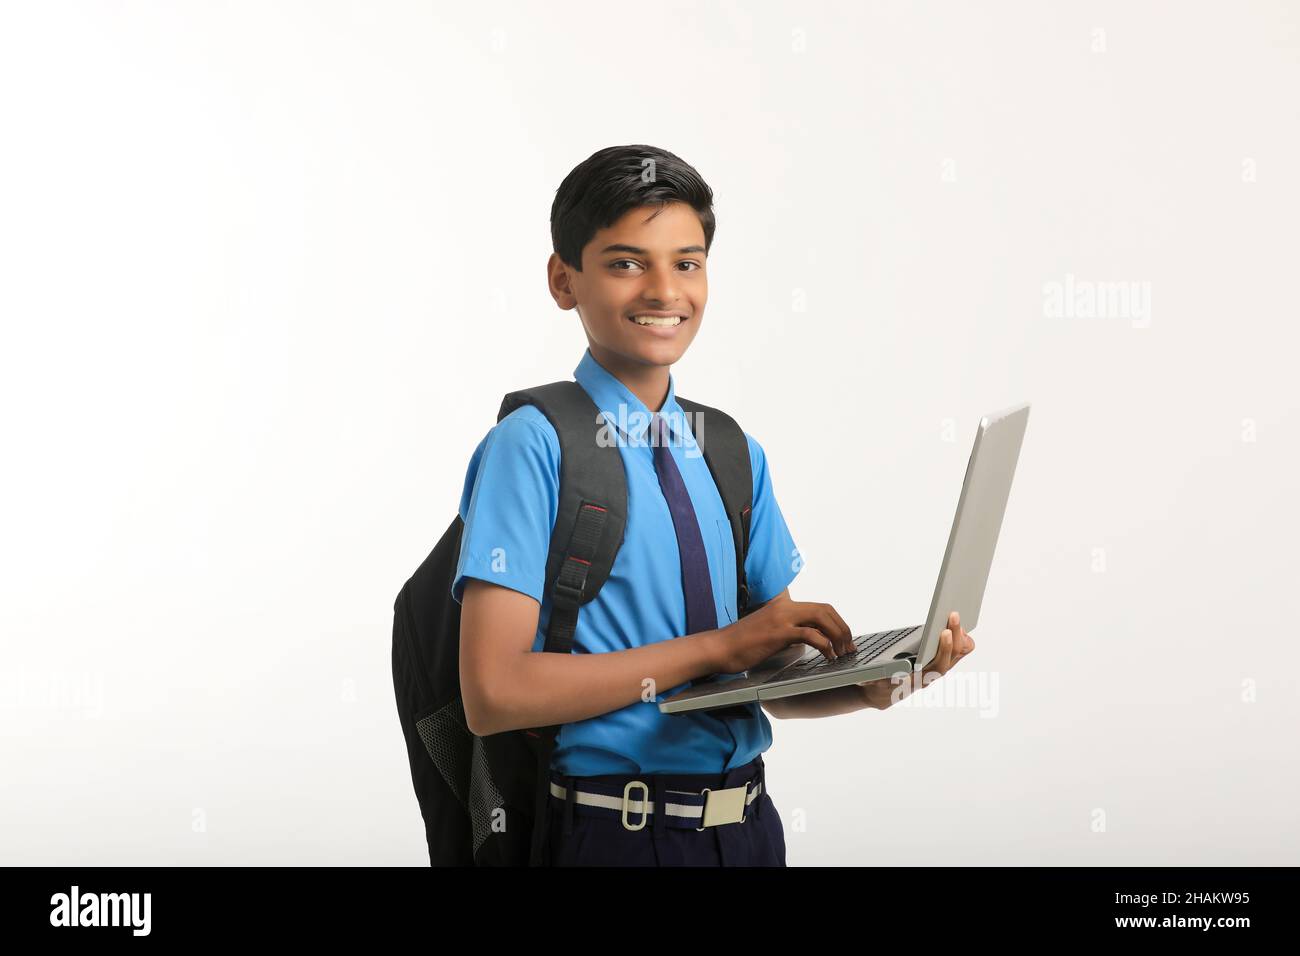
column 954, row 644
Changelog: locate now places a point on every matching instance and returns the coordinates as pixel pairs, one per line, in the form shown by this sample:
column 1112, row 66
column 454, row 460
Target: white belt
column 719, row 807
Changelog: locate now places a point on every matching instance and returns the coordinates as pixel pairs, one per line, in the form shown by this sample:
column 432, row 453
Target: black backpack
column 482, row 796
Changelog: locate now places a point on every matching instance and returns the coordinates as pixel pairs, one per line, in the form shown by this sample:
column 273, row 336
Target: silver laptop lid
column 974, row 535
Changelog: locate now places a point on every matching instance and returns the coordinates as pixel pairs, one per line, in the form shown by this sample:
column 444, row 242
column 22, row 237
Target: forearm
column 822, row 703
column 541, row 689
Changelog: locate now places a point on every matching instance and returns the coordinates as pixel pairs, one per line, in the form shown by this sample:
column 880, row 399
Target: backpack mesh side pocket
column 450, row 745
column 485, row 797
column 463, row 762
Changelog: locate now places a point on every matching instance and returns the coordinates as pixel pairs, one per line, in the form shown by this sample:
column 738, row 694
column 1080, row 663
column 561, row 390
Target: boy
column 631, row 229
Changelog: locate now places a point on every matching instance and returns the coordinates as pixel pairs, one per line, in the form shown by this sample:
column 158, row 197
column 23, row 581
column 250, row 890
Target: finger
column 833, row 626
column 944, row 658
column 959, row 639
column 822, row 620
column 845, row 633
column 815, row 638
column 810, row 613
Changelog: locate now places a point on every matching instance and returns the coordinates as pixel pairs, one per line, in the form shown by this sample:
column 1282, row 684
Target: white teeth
column 657, row 319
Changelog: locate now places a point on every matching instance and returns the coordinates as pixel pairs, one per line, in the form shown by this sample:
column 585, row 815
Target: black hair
column 609, row 182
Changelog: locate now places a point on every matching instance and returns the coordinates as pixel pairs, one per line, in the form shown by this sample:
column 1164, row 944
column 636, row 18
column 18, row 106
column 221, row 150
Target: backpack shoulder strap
column 726, row 451
column 590, row 518
column 592, row 509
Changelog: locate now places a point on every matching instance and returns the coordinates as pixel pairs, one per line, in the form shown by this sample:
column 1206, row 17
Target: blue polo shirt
column 508, row 507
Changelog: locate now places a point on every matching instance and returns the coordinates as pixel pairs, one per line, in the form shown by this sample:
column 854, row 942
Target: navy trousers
column 578, row 838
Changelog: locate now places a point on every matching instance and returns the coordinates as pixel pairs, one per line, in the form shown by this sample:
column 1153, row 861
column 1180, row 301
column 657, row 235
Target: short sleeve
column 508, row 505
column 773, row 561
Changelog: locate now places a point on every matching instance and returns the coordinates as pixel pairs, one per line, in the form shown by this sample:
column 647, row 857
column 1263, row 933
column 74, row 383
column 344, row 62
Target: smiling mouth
column 657, row 321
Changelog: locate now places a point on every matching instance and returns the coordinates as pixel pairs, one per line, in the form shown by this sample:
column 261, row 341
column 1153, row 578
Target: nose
column 660, row 288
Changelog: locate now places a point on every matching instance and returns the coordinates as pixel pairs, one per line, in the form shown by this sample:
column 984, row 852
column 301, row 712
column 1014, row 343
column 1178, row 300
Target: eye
column 695, row 266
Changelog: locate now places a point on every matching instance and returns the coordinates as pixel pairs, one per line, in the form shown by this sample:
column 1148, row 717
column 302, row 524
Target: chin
column 666, row 353
column 658, row 352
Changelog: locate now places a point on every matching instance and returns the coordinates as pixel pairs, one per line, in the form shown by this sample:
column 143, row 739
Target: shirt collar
column 623, row 409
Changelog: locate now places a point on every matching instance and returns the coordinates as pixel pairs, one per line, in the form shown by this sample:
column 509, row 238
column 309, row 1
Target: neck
column 649, row 383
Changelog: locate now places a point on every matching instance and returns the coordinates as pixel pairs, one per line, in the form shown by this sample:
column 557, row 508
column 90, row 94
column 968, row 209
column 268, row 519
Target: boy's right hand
column 774, row 627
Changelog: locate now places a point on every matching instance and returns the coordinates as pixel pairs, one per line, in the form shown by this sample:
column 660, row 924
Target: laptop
column 963, row 573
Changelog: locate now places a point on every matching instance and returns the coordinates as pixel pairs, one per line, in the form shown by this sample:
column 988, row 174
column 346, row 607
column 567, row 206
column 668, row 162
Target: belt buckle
column 724, row 806
column 645, row 803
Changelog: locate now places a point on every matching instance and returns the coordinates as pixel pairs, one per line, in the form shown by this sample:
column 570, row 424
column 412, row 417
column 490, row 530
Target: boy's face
column 643, row 263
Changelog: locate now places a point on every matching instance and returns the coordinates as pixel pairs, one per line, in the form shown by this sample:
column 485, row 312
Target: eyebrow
column 637, row 251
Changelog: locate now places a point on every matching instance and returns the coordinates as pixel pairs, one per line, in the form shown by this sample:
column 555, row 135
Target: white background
column 266, row 270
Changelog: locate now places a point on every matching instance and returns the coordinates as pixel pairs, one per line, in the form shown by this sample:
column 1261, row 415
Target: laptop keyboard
column 868, row 646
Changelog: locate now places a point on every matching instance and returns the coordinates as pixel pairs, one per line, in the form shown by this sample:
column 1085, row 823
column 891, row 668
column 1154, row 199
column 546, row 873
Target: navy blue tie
column 697, row 584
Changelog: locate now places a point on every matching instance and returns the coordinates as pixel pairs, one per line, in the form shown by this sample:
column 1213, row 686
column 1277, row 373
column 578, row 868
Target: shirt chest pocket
column 726, row 574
